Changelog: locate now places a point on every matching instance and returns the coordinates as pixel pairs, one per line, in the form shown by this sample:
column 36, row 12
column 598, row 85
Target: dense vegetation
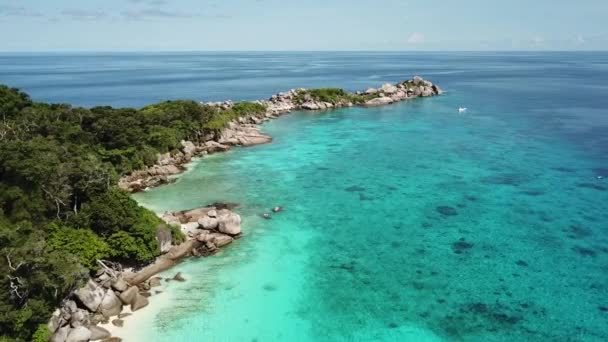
column 60, row 210
column 332, row 95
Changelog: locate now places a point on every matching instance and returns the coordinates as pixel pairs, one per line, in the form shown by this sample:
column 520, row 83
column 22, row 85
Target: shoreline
column 206, row 229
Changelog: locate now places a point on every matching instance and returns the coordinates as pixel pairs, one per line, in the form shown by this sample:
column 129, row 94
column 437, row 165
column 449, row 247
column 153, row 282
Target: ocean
column 411, row 222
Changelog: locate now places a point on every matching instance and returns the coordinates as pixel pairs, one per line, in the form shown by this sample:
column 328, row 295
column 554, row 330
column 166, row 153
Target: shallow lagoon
column 408, row 222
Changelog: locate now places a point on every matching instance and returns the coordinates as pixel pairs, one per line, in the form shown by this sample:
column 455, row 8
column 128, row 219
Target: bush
column 83, row 243
column 42, row 334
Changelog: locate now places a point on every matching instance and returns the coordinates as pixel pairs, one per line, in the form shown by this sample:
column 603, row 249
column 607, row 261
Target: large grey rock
column 370, row 91
column 171, row 219
column 91, row 295
column 213, row 147
column 139, row 302
column 207, row 222
column 61, row 335
column 427, row 91
column 99, row 333
column 79, row 318
column 399, row 96
column 190, row 228
column 195, row 214
column 111, row 304
column 55, row 321
column 252, row 140
column 79, row 334
column 128, row 296
column 188, row 147
column 164, row 170
column 219, row 240
column 389, row 89
column 120, row 285
column 380, row 101
column 165, row 159
column 163, row 236
column 310, row 105
column 229, row 222
column 156, row 281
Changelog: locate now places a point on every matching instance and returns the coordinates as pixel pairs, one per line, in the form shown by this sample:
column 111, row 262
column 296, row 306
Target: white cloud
column 416, row 38
column 580, row 40
column 538, row 40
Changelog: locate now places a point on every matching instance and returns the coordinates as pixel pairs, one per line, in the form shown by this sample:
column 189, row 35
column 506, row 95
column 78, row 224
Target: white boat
column 462, row 109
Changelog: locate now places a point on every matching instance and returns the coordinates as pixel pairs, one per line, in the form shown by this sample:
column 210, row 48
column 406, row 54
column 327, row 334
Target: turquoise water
column 403, row 223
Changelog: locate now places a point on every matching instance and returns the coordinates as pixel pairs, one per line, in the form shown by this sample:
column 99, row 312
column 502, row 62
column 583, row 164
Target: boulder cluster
column 104, row 297
column 211, row 227
column 101, row 300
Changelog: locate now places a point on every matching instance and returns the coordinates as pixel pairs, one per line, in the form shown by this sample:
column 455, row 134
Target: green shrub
column 83, row 243
column 42, row 334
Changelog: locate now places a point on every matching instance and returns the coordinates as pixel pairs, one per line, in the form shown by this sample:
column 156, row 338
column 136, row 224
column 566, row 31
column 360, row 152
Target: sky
column 310, row 25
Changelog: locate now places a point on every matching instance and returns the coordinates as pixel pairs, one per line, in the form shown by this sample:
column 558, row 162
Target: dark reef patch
column 393, row 325
column 533, row 192
column 564, row 169
column 593, row 186
column 461, row 246
column 472, row 198
column 584, row 251
column 355, row 188
column 600, row 171
column 510, row 179
column 578, row 232
column 363, row 197
column 446, row 210
column 270, row 287
column 521, row 263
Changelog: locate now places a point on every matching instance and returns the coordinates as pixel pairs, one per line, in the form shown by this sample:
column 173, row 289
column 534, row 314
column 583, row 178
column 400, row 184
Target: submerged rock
column 446, row 210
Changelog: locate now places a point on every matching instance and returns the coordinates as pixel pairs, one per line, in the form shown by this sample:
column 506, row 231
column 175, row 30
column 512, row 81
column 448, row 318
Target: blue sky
column 117, row 25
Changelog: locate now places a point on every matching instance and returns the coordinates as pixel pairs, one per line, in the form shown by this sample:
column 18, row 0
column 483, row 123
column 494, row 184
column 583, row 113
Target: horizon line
column 288, row 51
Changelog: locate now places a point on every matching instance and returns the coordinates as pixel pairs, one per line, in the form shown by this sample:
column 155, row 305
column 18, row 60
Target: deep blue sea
column 410, row 222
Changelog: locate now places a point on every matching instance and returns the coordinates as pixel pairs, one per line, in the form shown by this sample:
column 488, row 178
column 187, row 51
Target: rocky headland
column 244, row 131
column 114, row 293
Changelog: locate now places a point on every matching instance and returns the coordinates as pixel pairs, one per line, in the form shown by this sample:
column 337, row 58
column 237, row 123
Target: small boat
column 462, row 109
